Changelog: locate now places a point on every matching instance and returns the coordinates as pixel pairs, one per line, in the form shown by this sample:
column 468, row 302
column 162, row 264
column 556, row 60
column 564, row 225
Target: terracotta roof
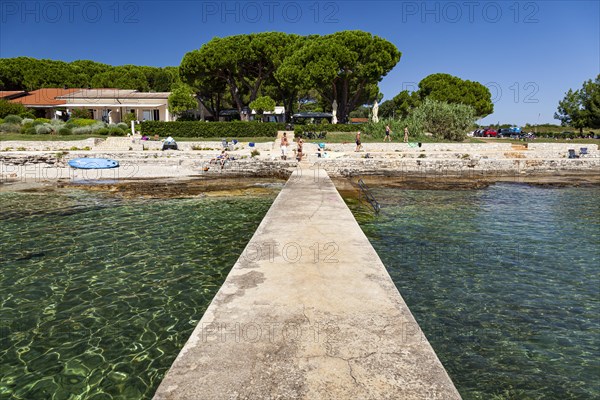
column 11, row 94
column 357, row 120
column 44, row 97
column 103, row 93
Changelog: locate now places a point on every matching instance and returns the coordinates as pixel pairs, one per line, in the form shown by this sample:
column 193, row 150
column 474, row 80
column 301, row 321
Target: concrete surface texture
column 308, row 312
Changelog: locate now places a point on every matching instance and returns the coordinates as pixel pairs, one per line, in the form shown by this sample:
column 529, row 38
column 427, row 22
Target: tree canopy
column 239, row 64
column 231, row 72
column 453, row 90
column 345, row 66
column 182, row 99
column 441, row 87
column 262, row 104
column 25, row 73
column 581, row 108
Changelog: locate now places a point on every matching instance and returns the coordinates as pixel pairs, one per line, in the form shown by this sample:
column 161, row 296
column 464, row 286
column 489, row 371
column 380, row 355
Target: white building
column 277, row 115
column 110, row 105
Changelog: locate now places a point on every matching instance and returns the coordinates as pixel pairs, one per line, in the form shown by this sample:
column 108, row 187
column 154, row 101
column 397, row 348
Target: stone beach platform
column 47, row 161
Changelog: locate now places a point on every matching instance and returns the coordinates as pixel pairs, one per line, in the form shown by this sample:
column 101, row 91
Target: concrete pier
column 308, row 312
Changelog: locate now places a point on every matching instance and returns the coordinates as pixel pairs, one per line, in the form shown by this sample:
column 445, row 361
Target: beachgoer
column 387, row 134
column 299, row 154
column 284, row 146
column 406, row 135
column 221, row 159
column 358, row 142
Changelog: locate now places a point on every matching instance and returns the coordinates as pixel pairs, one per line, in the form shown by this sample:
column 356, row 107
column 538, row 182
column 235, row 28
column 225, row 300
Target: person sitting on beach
column 221, row 158
column 224, row 158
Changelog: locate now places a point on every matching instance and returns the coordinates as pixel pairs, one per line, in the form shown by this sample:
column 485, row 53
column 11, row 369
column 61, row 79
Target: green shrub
column 102, row 131
column 235, row 129
column 1, row 121
column 127, row 118
column 41, row 121
column 28, row 130
column 443, row 120
column 80, row 113
column 43, row 129
column 10, row 128
column 27, row 114
column 8, row 108
column 446, row 121
column 79, row 122
column 64, row 131
column 123, row 126
column 82, row 130
column 13, row 119
column 326, row 127
column 115, row 131
column 26, row 121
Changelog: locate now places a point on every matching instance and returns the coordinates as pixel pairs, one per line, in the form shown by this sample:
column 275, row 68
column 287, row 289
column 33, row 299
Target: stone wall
column 43, row 145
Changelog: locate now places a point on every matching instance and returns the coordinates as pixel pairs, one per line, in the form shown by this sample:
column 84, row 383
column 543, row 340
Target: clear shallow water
column 505, row 283
column 98, row 295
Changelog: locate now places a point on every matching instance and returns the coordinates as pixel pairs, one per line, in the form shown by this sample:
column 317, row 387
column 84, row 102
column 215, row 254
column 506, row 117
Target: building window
column 151, row 115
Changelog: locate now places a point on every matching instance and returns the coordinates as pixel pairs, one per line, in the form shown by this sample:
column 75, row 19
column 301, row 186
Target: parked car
column 489, row 133
column 504, row 132
column 512, row 132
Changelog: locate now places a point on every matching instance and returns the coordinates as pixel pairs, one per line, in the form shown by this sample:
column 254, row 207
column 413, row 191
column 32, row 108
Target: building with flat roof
column 111, row 105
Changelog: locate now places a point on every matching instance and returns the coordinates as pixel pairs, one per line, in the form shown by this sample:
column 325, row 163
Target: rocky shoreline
column 190, row 172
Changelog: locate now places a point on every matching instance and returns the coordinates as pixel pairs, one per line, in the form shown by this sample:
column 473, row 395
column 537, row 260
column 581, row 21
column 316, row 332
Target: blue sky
column 529, row 53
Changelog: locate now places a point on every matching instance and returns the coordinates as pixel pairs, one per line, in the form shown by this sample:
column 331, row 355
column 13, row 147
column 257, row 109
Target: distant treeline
column 25, row 73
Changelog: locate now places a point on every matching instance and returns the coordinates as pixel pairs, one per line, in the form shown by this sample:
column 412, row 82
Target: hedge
column 234, row 129
column 299, row 129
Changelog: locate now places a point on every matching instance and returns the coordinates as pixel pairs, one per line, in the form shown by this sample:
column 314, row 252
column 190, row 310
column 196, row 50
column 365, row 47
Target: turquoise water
column 505, row 283
column 98, row 295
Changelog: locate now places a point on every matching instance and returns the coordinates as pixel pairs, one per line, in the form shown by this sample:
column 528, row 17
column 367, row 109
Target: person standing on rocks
column 284, row 146
column 299, row 154
column 358, row 142
column 406, row 135
column 388, row 131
